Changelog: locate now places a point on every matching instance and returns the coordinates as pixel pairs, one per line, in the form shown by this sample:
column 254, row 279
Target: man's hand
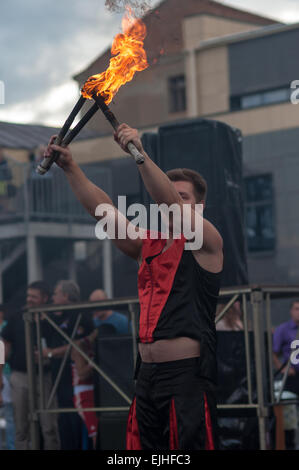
column 126, row 134
column 65, row 158
column 45, row 353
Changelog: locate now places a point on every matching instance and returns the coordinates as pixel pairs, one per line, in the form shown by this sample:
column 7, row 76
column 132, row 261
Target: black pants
column 69, row 424
column 174, row 408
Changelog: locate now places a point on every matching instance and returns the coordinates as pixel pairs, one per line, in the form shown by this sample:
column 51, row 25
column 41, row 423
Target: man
column 283, row 337
column 69, row 424
column 14, row 338
column 174, row 406
column 108, row 322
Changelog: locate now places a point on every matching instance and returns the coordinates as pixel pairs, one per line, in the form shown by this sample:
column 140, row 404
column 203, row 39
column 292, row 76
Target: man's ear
column 203, row 202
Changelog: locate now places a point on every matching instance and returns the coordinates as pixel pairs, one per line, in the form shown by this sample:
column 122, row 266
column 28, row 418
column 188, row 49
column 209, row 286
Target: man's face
column 59, row 298
column 98, row 296
column 186, row 191
column 295, row 312
column 35, row 298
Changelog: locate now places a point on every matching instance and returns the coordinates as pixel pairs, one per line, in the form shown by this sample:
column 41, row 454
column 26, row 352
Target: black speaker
column 114, row 355
column 214, row 149
column 112, row 431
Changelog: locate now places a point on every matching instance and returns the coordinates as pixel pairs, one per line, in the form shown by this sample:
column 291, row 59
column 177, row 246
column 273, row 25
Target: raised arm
column 162, row 190
column 90, row 196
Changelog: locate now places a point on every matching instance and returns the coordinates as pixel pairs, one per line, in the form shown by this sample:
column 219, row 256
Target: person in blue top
column 5, row 397
column 108, row 322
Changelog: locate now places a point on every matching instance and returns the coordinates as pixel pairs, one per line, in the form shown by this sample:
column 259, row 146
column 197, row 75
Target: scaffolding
column 256, row 310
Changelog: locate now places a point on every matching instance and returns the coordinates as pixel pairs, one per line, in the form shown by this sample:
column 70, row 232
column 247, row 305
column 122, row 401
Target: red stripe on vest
column 155, row 281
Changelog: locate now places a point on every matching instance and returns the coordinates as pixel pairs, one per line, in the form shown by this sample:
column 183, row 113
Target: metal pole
column 270, row 347
column 247, row 348
column 65, row 357
column 40, row 364
column 34, row 425
column 107, row 267
column 228, row 305
column 256, row 301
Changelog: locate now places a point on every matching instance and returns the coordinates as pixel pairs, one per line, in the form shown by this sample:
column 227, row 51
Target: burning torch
column 129, row 57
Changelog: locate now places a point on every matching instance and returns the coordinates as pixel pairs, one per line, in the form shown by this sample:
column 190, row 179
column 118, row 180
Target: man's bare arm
column 90, row 196
column 162, row 190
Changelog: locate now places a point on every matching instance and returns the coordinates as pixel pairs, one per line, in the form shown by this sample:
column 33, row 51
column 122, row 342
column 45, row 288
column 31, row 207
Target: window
column 259, row 213
column 254, row 100
column 177, row 94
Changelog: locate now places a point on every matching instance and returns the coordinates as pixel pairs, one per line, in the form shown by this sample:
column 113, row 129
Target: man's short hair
column 185, row 174
column 71, row 289
column 41, row 286
column 296, row 301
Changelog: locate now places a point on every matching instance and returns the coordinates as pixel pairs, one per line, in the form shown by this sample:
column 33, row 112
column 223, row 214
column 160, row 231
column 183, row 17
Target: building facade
column 224, row 64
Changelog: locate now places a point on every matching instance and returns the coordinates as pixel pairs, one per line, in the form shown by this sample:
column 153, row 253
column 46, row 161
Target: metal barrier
column 25, row 195
column 256, row 301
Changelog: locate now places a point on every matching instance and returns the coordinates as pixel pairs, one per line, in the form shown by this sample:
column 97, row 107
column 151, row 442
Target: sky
column 43, row 43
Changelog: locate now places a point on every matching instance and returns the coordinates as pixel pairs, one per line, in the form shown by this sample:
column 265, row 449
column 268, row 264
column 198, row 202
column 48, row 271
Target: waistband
column 193, row 361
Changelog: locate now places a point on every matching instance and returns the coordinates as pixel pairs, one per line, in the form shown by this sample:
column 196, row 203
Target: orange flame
column 130, row 57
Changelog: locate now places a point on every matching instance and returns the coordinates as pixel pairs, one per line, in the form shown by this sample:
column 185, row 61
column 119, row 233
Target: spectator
column 107, row 321
column 14, row 336
column 5, row 397
column 70, row 425
column 283, row 337
column 232, row 319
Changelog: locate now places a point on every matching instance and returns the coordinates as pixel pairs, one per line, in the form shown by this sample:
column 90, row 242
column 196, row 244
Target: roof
column 248, row 35
column 29, row 136
column 164, row 28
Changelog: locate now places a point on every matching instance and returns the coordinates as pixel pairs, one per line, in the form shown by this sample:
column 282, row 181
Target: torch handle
column 47, row 162
column 138, row 157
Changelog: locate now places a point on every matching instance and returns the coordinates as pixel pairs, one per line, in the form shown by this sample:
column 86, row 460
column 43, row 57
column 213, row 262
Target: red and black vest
column 177, row 298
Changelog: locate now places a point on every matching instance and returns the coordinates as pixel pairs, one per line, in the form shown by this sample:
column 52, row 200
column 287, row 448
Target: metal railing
column 255, row 301
column 25, row 195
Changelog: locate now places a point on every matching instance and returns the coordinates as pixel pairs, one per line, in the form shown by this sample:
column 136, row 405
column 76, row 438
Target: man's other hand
column 126, row 134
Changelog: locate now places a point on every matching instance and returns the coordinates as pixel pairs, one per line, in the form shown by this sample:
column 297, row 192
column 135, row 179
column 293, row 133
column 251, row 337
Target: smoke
column 139, row 7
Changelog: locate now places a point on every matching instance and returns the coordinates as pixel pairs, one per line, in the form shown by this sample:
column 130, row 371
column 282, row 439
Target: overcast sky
column 43, row 43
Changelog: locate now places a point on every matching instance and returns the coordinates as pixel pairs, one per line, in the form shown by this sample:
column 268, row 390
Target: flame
column 129, row 57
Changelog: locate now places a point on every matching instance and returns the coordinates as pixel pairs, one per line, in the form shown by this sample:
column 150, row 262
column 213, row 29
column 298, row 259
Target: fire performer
column 175, row 405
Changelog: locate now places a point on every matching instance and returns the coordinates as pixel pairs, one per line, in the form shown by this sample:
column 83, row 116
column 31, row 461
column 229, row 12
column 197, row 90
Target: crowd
column 283, row 336
column 76, row 385
column 75, row 388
